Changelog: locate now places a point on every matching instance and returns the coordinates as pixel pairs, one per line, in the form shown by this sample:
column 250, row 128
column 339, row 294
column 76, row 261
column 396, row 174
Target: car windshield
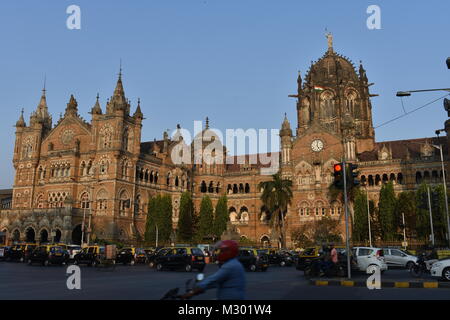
column 262, row 251
column 197, row 251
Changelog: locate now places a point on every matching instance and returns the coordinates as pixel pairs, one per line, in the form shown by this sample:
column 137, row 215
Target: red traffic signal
column 338, row 167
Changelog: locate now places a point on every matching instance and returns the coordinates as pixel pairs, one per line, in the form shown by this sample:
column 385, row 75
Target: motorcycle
column 420, row 267
column 172, row 294
column 314, row 269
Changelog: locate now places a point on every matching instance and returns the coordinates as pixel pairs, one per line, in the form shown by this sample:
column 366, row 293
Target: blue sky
column 235, row 61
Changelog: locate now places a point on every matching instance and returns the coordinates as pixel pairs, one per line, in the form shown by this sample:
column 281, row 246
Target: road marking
column 347, row 283
column 321, row 283
column 430, row 285
column 401, row 284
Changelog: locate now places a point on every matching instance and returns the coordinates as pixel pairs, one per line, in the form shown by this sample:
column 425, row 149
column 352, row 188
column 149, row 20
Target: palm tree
column 276, row 196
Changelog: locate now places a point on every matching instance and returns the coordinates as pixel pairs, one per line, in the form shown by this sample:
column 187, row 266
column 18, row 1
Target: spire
column 21, row 121
column 285, row 127
column 138, row 112
column 207, row 123
column 72, row 107
column 97, row 109
column 118, row 100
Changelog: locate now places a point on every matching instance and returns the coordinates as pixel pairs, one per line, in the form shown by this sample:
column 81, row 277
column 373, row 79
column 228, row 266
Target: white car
column 365, row 257
column 399, row 258
column 73, row 250
column 441, row 269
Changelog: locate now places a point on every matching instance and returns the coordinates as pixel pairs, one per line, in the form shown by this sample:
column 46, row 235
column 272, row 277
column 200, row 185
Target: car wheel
column 46, row 263
column 132, row 262
column 409, row 265
column 159, row 267
column 188, row 268
column 29, row 262
column 75, row 262
column 282, row 263
column 151, row 264
column 252, row 268
column 22, row 259
column 446, row 274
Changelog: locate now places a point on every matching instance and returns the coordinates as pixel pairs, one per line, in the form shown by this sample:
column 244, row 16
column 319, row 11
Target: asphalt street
column 20, row 281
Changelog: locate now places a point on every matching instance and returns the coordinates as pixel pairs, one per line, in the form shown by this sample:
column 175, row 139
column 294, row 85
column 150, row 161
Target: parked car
column 398, row 258
column 126, row 256
column 4, row 252
column 278, row 257
column 21, row 252
column 187, row 258
column 441, row 269
column 89, row 255
column 49, row 254
column 73, row 250
column 141, row 255
column 364, row 257
column 157, row 253
column 253, row 260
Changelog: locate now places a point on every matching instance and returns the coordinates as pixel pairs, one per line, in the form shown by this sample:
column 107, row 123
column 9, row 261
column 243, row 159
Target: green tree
column 159, row 219
column 206, row 222
column 360, row 230
column 276, row 196
column 422, row 213
column 221, row 217
column 186, row 219
column 387, row 212
column 439, row 214
column 406, row 205
column 150, row 227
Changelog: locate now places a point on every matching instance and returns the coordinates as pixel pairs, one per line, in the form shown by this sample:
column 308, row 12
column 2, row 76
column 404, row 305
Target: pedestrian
column 334, row 254
column 229, row 279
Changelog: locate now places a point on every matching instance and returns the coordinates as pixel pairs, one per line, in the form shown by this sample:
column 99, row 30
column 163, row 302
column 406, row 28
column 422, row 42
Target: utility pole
column 368, row 217
column 156, row 226
column 347, row 240
column 404, row 229
column 431, row 216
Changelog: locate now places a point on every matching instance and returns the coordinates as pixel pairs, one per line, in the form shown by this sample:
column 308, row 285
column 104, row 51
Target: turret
column 286, row 141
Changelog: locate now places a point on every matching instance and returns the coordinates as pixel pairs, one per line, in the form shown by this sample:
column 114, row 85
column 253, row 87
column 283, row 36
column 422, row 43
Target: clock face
column 317, row 145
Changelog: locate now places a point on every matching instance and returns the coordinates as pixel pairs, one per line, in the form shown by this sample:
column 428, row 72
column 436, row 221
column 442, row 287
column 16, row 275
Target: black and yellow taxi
column 153, row 256
column 278, row 257
column 49, row 254
column 4, row 252
column 90, row 255
column 186, row 258
column 126, row 256
column 141, row 255
column 253, row 260
column 21, row 252
column 307, row 256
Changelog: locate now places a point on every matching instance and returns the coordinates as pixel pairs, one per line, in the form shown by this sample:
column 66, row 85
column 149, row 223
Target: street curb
column 384, row 284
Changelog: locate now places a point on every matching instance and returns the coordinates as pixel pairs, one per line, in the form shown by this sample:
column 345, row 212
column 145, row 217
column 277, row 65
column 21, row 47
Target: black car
column 21, row 252
column 151, row 257
column 253, row 260
column 126, row 256
column 90, row 255
column 186, row 258
column 279, row 257
column 49, row 254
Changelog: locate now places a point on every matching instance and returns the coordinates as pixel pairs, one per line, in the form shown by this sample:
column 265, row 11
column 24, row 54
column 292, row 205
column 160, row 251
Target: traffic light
column 353, row 174
column 339, row 175
column 447, row 106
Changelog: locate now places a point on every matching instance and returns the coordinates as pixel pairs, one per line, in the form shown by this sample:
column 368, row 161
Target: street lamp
column 445, row 184
column 408, row 93
column 448, row 62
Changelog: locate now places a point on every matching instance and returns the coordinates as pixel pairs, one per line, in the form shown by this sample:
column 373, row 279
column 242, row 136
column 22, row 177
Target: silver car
column 398, row 258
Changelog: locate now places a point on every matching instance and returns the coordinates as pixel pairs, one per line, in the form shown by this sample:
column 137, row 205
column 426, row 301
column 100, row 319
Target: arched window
column 156, row 177
column 218, row 187
column 85, row 204
column 377, row 180
column 235, row 188
column 125, row 139
column 371, row 182
column 124, row 202
column 203, row 187
column 400, row 178
column 418, row 177
column 392, row 178
column 233, row 215
column 102, row 198
column 241, row 188
column 426, row 177
column 168, row 179
column 146, row 176
column 177, row 181
column 247, row 188
column 434, row 176
column 211, row 187
column 151, row 176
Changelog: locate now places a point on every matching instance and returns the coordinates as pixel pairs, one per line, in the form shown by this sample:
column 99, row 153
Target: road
column 20, row 281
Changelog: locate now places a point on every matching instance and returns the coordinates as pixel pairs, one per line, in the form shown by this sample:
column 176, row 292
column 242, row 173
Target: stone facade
column 101, row 173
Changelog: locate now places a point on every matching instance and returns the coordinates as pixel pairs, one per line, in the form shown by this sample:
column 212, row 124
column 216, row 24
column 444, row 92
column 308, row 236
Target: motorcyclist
column 229, row 279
